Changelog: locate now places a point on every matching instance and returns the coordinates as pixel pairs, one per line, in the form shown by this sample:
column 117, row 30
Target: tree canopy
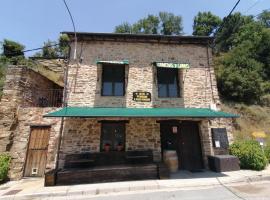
column 55, row 49
column 243, row 58
column 164, row 23
column 205, row 24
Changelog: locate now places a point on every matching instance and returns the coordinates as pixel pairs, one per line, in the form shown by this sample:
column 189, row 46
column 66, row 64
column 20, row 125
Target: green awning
column 119, row 62
column 172, row 65
column 90, row 112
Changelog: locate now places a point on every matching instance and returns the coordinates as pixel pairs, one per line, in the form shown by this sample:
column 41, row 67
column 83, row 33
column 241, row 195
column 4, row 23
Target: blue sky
column 31, row 22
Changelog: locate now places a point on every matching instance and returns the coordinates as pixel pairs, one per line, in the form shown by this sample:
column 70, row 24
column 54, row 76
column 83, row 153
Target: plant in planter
column 120, row 147
column 107, row 147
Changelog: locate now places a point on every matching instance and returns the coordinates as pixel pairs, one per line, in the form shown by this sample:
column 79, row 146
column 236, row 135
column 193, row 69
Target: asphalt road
column 248, row 191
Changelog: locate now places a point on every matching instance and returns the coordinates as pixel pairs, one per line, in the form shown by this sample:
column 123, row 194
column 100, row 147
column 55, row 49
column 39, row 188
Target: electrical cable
column 225, row 19
column 74, row 29
column 252, row 6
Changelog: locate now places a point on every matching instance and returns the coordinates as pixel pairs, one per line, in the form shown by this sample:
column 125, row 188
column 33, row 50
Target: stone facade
column 197, row 88
column 198, row 84
column 17, row 116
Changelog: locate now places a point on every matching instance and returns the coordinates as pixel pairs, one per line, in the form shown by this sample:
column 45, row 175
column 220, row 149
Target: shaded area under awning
column 91, row 112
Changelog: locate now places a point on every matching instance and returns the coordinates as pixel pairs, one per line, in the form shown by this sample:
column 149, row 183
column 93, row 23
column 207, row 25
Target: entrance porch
column 115, row 148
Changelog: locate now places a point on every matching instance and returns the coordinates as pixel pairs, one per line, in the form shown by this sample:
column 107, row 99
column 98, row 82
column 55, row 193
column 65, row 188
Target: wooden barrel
column 171, row 160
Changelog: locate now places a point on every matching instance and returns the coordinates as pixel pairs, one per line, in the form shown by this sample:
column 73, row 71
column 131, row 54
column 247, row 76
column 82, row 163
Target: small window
column 113, row 136
column 168, row 83
column 113, row 80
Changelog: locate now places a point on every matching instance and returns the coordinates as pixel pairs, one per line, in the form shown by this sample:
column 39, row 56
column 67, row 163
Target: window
column 113, row 80
column 113, row 136
column 168, row 84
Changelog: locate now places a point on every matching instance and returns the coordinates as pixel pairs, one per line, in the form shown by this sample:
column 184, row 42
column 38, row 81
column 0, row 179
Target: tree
column 63, row 49
column 171, row 24
column 239, row 74
column 49, row 50
column 226, row 33
column 123, row 28
column 164, row 23
column 52, row 49
column 264, row 18
column 205, row 24
column 11, row 48
column 148, row 25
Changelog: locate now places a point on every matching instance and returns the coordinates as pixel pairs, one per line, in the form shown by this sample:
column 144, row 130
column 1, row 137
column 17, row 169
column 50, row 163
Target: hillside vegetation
column 253, row 118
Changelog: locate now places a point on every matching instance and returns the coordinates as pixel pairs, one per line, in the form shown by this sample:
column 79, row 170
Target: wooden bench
column 87, row 160
column 107, row 167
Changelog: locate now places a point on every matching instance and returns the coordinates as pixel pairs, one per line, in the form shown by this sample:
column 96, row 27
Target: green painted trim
column 90, row 112
column 120, row 62
column 172, row 65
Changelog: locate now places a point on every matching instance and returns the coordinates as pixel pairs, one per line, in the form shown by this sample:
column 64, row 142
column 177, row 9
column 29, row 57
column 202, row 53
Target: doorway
column 184, row 138
column 37, row 152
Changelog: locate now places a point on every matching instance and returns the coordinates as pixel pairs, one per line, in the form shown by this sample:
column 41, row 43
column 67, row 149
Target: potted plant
column 107, row 147
column 120, row 147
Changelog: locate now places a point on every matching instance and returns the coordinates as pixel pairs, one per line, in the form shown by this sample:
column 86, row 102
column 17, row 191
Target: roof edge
column 139, row 37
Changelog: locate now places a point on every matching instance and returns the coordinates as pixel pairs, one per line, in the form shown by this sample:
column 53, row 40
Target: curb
column 110, row 190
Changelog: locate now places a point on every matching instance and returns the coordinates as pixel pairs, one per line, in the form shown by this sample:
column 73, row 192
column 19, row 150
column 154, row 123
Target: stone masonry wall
column 198, row 84
column 16, row 117
column 27, row 118
column 83, row 135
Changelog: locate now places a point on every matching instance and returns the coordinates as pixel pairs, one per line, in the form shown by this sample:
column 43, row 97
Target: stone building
column 124, row 93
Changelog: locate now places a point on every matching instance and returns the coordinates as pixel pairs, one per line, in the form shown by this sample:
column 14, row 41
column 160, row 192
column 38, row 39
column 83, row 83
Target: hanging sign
column 142, row 96
column 173, row 65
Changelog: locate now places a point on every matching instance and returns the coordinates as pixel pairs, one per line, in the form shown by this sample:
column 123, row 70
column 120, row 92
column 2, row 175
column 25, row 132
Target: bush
column 267, row 152
column 4, row 166
column 250, row 154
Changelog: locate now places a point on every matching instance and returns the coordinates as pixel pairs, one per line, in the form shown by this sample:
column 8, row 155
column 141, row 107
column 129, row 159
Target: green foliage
column 226, row 34
column 205, row 23
column 123, row 28
column 53, row 49
column 63, row 48
column 171, row 24
column 264, row 18
column 267, row 152
column 243, row 62
column 164, row 23
column 11, row 48
column 12, row 52
column 250, row 154
column 4, row 166
column 239, row 75
column 49, row 50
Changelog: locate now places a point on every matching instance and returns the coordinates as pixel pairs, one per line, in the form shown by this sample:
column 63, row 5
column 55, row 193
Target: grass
column 253, row 118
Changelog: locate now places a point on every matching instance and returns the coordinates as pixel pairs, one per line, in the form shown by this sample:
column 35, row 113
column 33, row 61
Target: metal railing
column 43, row 98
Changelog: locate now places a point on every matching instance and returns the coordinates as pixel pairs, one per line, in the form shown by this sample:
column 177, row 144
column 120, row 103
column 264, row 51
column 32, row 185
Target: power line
column 29, row 50
column 74, row 29
column 225, row 19
column 234, row 8
column 252, row 6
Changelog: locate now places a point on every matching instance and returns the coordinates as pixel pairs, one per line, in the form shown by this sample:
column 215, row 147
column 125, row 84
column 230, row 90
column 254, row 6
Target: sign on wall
column 220, row 138
column 173, row 65
column 142, row 96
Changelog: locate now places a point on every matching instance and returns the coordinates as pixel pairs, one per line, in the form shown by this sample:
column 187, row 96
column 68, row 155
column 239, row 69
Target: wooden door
column 37, row 151
column 190, row 157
